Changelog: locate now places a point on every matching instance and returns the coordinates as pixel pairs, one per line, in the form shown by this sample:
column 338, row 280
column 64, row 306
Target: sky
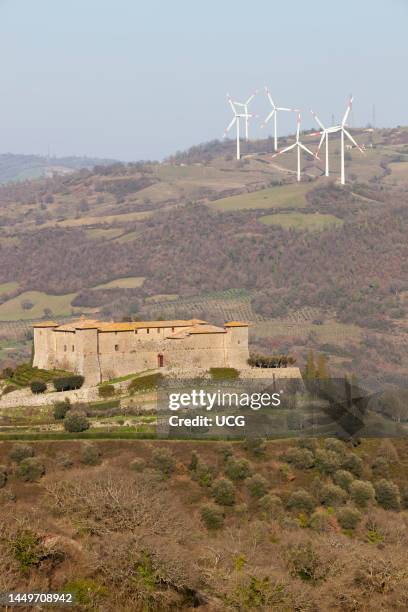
column 130, row 80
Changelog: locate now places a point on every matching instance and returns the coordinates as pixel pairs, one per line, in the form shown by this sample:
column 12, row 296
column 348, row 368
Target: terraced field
column 287, row 196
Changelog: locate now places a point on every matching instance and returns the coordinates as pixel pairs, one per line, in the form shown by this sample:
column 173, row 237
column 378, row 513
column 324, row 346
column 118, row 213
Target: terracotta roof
column 46, row 324
column 197, row 329
column 236, row 324
column 111, row 326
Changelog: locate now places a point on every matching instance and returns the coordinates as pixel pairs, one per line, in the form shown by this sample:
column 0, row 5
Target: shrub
column 362, row 492
column 309, row 443
column 61, row 409
column 301, row 500
column 348, row 518
column 7, row 373
column 387, row 494
column 380, row 467
column 255, row 446
column 332, row 495
column 106, row 391
column 224, row 373
column 26, row 549
column 353, row 464
column 204, row 474
column 30, row 469
column 68, row 383
column 64, row 460
column 163, row 460
column 193, row 461
column 335, row 445
column 257, row 485
column 90, row 454
column 38, row 386
column 223, row 492
column 404, row 498
column 304, row 562
column 20, row 452
column 212, row 516
column 320, row 521
column 301, row 458
column 271, row 504
column 3, row 476
column 237, row 469
column 76, row 422
column 225, row 450
column 343, row 478
column 327, row 461
column 138, row 465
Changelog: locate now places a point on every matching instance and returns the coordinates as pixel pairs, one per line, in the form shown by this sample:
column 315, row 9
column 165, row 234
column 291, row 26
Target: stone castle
column 101, row 350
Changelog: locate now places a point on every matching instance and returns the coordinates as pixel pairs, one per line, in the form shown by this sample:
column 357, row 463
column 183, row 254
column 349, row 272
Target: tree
column 362, row 492
column 38, row 386
column 61, row 409
column 257, row 485
column 310, row 368
column 322, row 371
column 76, row 422
column 223, row 492
column 30, row 469
column 387, row 494
column 212, row 516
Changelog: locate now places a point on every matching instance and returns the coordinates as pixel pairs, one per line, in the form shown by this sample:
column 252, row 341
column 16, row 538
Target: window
column 65, row 348
column 116, row 347
column 147, row 331
column 172, row 329
column 135, row 331
column 73, row 348
column 158, row 330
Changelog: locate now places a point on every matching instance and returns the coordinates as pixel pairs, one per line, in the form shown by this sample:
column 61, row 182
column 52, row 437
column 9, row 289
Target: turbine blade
column 317, row 119
column 302, row 146
column 271, row 114
column 251, row 97
column 284, row 150
column 298, row 128
column 231, row 104
column 346, row 114
column 349, row 136
column 270, row 98
column 285, row 108
column 227, row 129
column 320, row 143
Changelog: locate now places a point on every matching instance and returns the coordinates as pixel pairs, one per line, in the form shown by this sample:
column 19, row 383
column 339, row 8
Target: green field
column 129, row 282
column 7, row 287
column 58, row 304
column 285, row 196
column 300, row 221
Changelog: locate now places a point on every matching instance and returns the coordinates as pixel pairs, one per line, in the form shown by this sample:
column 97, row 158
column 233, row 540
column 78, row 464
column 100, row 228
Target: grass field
column 58, row 304
column 300, row 221
column 129, row 282
column 285, row 196
column 100, row 232
column 7, row 287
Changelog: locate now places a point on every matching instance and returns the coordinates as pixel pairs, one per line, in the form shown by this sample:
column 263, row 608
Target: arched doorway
column 160, row 360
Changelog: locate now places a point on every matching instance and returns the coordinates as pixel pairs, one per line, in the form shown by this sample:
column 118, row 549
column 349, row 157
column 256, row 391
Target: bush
column 223, row 492
column 327, row 461
column 362, row 492
column 271, row 504
column 163, row 460
column 224, row 373
column 19, row 452
column 212, row 516
column 309, row 443
column 343, row 478
column 257, row 485
column 9, row 389
column 301, row 458
column 204, row 474
column 38, row 386
column 237, row 469
column 352, row 463
column 64, row 460
column 76, row 422
column 320, row 521
column 138, row 465
column 255, row 446
column 61, row 409
column 68, row 383
column 301, row 500
column 348, row 518
column 26, row 549
column 380, row 467
column 335, row 445
column 404, row 498
column 193, row 462
column 30, row 469
column 387, row 494
column 305, row 563
column 3, row 476
column 7, row 373
column 332, row 495
column 90, row 454
column 106, row 391
column 225, row 450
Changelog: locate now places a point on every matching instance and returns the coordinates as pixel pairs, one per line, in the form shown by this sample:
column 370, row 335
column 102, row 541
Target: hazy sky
column 140, row 80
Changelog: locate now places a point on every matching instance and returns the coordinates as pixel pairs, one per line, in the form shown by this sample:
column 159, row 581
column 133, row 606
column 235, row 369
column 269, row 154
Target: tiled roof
column 46, row 324
column 106, row 326
column 236, row 324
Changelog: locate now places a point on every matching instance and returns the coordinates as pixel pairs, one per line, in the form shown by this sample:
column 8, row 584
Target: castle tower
column 236, row 344
column 87, row 352
column 44, row 345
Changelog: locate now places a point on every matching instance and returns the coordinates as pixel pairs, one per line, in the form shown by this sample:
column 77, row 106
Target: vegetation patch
column 299, row 221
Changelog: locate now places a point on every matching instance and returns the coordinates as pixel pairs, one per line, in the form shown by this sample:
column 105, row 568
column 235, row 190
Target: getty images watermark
column 217, row 400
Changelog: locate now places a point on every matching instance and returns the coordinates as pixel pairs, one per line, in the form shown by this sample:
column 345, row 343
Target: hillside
column 25, row 167
column 311, row 265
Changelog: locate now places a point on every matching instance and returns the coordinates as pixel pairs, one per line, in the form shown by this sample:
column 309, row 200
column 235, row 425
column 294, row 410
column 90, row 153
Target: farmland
column 299, row 221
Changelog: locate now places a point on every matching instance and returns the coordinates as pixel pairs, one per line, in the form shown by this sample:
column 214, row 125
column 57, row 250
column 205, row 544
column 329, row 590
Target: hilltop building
column 101, row 350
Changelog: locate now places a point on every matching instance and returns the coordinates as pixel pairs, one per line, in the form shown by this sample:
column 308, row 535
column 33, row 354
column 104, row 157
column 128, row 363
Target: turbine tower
column 297, row 145
column 274, row 114
column 324, row 138
column 240, row 110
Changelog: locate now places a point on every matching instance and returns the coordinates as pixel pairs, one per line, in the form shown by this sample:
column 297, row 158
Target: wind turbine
column 243, row 114
column 297, row 145
column 332, row 130
column 274, row 114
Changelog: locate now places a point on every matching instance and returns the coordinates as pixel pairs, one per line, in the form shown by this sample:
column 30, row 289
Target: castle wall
column 44, row 347
column 236, row 344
